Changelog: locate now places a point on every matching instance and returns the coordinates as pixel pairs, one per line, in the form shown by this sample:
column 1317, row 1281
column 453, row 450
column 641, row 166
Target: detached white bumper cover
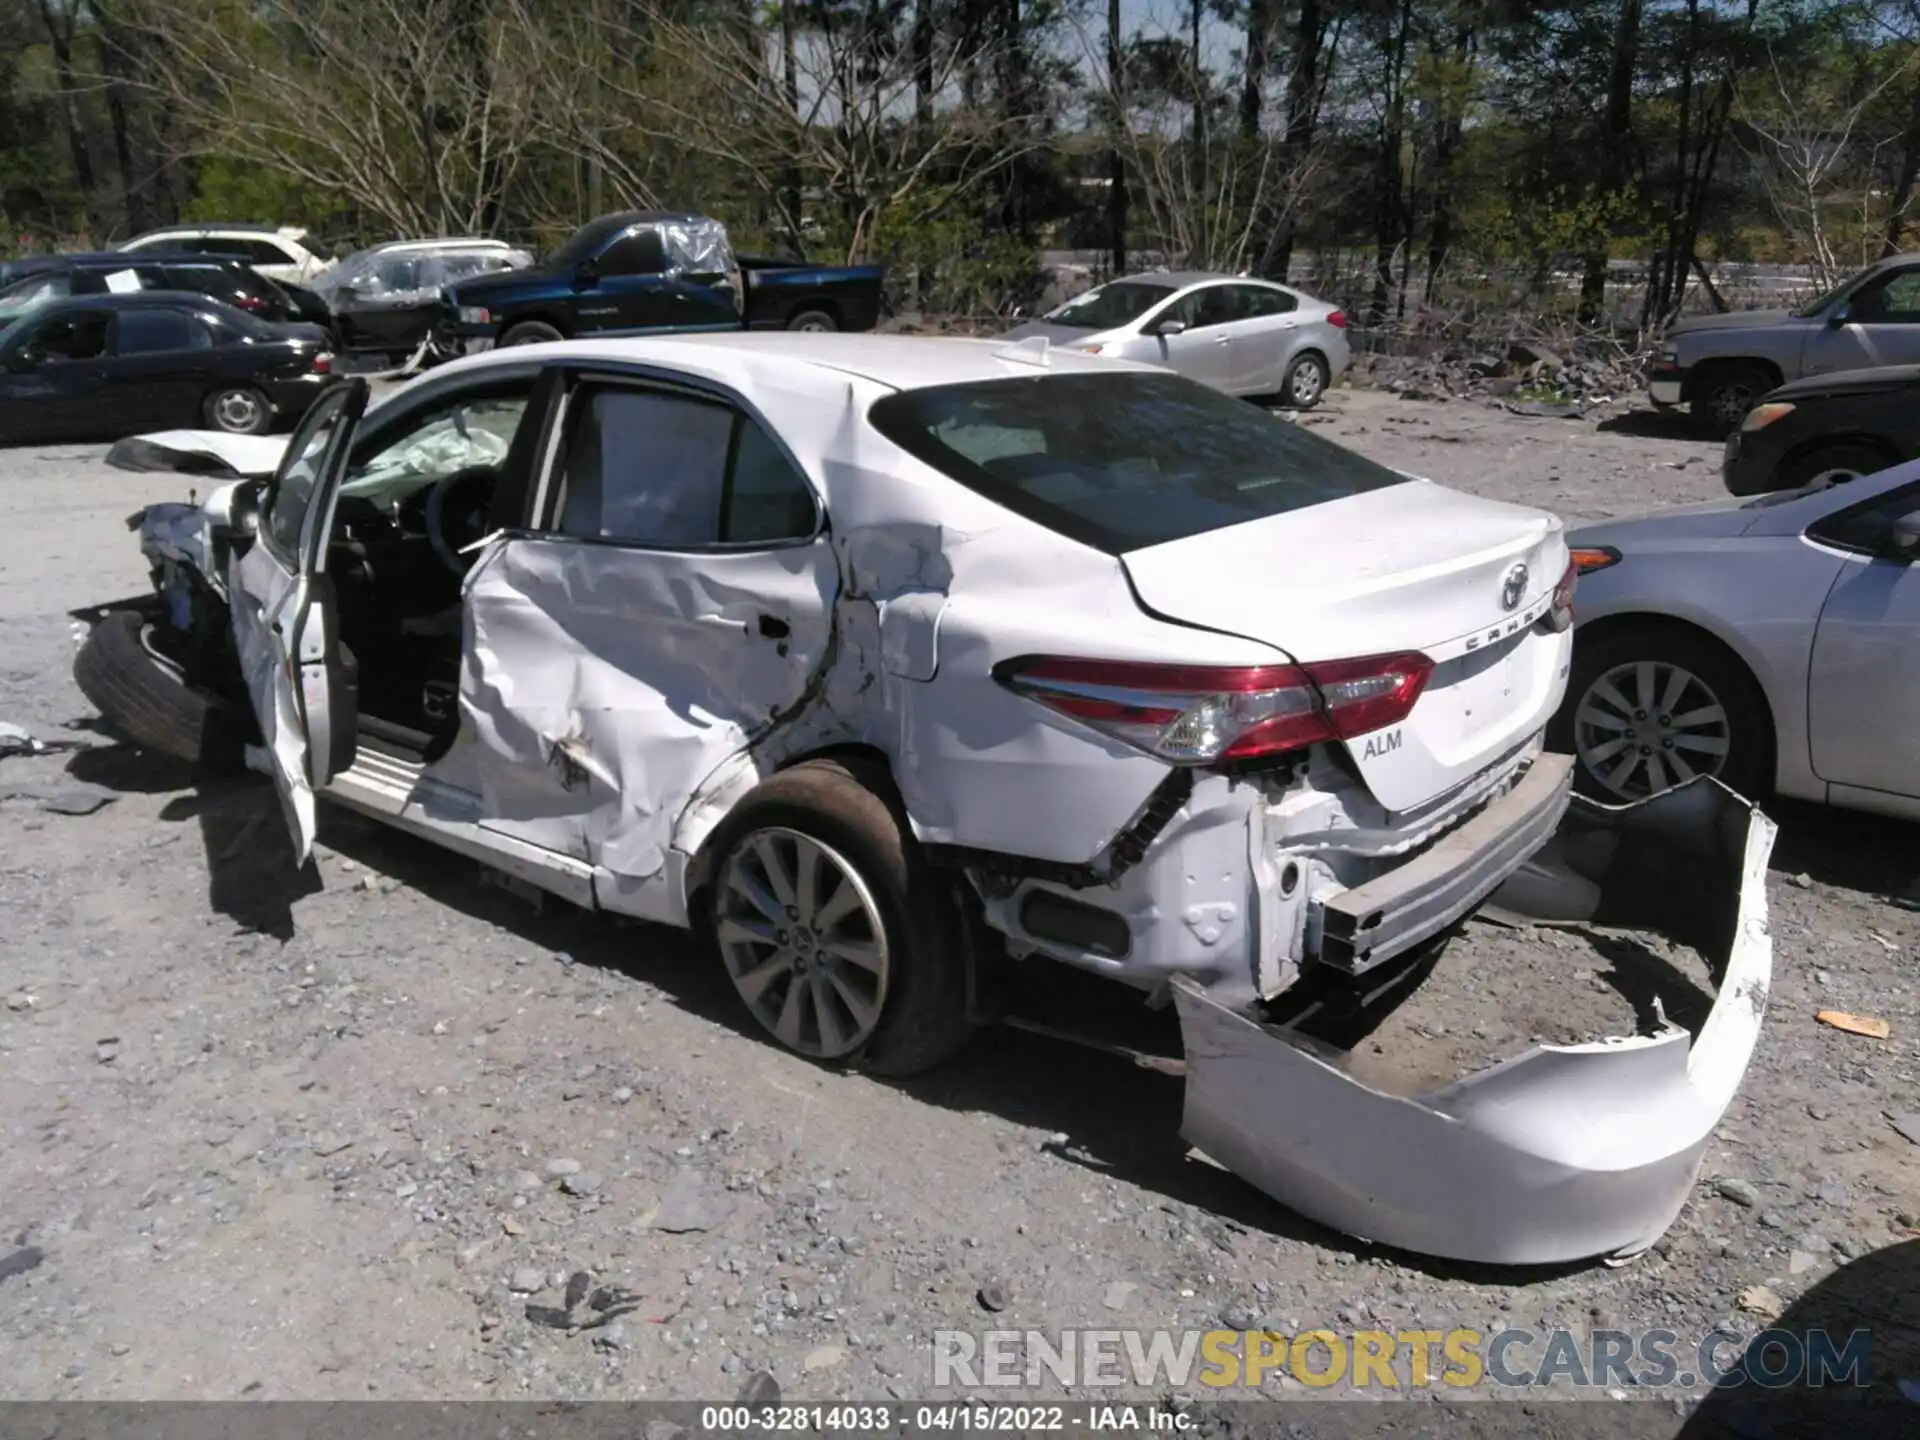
column 1561, row 1153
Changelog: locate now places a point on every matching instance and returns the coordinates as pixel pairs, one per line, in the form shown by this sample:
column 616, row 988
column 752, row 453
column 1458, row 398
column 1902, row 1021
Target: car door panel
column 1864, row 687
column 619, row 655
column 162, row 387
column 1880, row 326
column 605, row 683
column 285, row 621
column 1203, row 351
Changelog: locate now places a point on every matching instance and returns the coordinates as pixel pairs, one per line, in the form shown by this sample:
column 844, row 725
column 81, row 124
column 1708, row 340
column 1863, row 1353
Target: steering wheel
column 458, row 507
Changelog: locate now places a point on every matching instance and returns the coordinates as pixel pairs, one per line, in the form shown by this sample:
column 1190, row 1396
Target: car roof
column 900, row 362
column 451, row 242
column 283, row 232
column 141, row 300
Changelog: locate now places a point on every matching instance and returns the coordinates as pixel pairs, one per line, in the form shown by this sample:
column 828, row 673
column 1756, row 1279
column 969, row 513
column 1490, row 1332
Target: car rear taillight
column 251, row 302
column 323, row 364
column 1338, row 319
column 1197, row 714
column 1559, row 615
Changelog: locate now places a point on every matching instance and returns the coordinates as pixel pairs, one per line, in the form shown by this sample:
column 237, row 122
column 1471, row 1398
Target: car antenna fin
column 1033, row 350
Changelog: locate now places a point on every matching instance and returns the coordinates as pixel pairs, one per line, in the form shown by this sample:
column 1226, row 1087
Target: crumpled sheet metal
column 1563, row 1153
column 559, row 635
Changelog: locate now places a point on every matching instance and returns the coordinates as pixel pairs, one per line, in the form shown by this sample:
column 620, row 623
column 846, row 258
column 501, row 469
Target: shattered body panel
column 1558, row 1154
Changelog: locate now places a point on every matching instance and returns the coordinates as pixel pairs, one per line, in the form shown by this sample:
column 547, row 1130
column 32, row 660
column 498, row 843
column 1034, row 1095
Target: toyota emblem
column 1513, row 589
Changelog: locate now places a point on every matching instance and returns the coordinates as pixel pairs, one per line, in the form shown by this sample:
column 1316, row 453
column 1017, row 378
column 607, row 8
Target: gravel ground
column 354, row 1135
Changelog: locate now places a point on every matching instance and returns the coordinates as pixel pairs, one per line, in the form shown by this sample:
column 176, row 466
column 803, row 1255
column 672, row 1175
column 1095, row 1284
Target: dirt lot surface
column 350, row 1135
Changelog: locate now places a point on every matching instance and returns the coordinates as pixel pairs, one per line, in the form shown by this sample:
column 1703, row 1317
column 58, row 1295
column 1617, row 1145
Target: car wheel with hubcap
column 1724, row 397
column 840, row 940
column 239, row 410
column 817, row 322
column 531, row 332
column 1652, row 707
column 1306, row 382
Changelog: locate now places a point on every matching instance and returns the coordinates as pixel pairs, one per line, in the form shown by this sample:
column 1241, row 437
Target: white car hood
column 201, row 452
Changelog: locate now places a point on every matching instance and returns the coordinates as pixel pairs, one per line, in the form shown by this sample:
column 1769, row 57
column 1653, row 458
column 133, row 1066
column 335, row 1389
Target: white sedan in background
column 1243, row 336
column 1773, row 644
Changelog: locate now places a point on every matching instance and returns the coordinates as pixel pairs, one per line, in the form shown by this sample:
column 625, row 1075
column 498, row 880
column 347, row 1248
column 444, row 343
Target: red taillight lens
column 251, row 302
column 1196, row 714
column 1559, row 615
column 323, row 364
column 1338, row 319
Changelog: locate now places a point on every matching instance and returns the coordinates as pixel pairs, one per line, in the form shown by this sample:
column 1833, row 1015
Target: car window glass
column 463, row 267
column 292, row 494
column 72, row 337
column 1123, row 461
column 30, row 294
column 1219, row 305
column 395, row 275
column 458, row 434
column 647, row 467
column 146, row 332
column 1120, row 303
column 1892, row 301
column 1257, row 302
column 256, row 252
column 640, row 253
column 1868, row 527
column 768, row 500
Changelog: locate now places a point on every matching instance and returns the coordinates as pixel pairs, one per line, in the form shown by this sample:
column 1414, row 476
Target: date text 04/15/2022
column 965, row 1417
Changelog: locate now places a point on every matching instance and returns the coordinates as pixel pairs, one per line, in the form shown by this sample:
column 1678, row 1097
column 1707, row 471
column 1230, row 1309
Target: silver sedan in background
column 1243, row 336
column 1773, row 643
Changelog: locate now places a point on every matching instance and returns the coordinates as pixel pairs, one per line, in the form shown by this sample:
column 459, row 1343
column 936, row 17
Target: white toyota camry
column 875, row 655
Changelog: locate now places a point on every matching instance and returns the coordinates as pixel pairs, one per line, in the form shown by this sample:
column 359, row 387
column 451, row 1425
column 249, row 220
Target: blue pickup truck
column 652, row 270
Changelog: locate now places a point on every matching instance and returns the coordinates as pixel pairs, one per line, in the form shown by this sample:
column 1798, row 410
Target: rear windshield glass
column 1122, row 461
column 1118, row 304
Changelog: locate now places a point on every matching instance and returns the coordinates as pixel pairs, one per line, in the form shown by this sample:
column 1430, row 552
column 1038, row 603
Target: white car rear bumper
column 1558, row 1154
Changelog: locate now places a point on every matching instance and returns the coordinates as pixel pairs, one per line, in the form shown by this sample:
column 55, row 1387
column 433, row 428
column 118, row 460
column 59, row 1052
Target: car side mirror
column 584, row 274
column 1169, row 328
column 1841, row 316
column 1905, row 539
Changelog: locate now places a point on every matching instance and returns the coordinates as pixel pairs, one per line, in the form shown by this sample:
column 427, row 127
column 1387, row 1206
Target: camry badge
column 1514, row 588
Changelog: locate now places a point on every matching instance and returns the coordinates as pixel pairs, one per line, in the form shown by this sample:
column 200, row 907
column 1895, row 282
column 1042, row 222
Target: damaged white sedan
column 878, row 657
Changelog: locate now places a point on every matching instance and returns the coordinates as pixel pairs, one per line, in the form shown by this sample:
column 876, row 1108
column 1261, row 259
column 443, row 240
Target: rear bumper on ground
column 1558, row 1154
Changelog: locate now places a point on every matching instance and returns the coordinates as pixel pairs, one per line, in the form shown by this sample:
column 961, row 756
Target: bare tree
column 864, row 114
column 1812, row 161
column 412, row 112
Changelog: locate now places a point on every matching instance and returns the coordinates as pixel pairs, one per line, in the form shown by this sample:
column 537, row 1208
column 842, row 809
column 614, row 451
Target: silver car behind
column 1240, row 335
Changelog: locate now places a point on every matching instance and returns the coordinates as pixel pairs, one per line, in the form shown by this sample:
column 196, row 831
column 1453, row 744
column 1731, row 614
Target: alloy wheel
column 236, row 410
column 1307, row 384
column 803, row 942
column 1645, row 727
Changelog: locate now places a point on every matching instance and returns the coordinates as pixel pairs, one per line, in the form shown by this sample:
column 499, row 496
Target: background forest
column 1424, row 162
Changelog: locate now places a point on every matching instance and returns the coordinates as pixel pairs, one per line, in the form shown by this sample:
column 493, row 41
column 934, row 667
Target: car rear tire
column 1723, row 396
column 817, row 321
column 841, row 941
column 239, row 410
column 124, row 670
column 1306, row 382
column 1643, row 696
column 531, row 332
column 1836, row 464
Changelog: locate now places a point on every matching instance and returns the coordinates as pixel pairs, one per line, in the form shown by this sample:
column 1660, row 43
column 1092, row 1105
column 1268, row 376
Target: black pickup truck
column 643, row 271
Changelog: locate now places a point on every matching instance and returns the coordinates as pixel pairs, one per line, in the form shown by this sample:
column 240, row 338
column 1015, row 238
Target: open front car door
column 286, row 619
